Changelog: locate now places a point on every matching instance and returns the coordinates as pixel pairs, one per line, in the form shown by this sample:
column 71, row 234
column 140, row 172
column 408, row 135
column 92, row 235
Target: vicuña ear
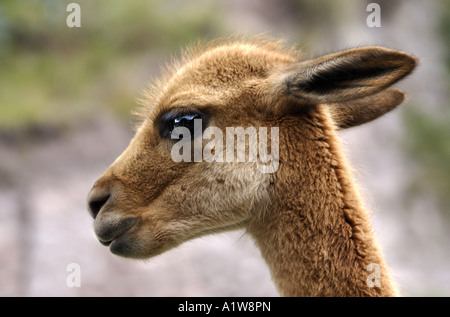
column 347, row 75
column 352, row 113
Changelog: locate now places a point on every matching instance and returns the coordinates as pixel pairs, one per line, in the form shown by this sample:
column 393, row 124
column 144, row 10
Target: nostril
column 96, row 202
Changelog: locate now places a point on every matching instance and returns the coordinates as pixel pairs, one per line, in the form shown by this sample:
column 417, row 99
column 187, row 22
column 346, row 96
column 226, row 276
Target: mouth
column 120, row 245
column 106, row 243
column 109, row 234
column 124, row 246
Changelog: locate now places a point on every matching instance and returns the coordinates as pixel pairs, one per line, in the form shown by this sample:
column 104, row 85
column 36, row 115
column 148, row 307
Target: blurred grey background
column 66, row 96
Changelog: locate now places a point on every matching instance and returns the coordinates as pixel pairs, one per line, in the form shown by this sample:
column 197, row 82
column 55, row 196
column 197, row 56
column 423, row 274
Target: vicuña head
column 304, row 214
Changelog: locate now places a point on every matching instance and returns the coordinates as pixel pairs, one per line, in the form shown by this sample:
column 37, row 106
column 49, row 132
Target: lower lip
column 119, row 246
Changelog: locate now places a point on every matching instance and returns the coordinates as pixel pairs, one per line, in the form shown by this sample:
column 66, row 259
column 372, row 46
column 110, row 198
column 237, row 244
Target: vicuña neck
column 317, row 239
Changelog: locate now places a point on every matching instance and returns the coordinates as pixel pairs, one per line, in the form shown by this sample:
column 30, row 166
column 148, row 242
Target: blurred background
column 66, row 97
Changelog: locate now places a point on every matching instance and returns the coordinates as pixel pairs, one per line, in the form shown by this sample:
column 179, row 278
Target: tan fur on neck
column 318, row 240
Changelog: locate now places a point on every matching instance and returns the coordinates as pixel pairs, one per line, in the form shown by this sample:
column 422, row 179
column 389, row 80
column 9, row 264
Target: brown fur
column 307, row 217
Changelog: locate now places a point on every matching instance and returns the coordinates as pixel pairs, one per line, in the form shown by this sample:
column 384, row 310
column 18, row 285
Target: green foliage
column 50, row 73
column 428, row 143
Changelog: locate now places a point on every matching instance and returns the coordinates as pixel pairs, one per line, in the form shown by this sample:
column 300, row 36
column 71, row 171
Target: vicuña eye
column 180, row 118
